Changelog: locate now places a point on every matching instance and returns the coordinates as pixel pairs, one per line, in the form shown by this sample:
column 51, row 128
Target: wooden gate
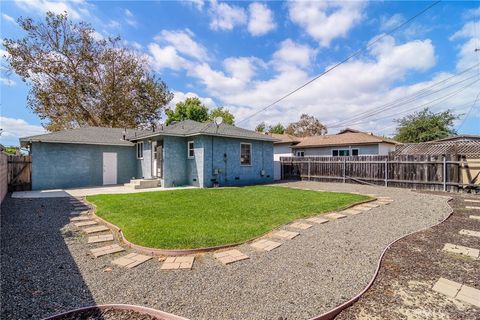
column 19, row 173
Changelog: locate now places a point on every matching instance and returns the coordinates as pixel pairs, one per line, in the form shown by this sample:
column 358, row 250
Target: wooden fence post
column 444, row 173
column 344, row 169
column 308, row 169
column 386, row 172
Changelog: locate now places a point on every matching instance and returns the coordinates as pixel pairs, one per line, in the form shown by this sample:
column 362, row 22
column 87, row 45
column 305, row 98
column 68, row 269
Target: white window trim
column 188, row 149
column 138, row 145
column 339, row 152
column 251, row 155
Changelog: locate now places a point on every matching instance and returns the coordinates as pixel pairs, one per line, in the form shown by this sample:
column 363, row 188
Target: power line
column 468, row 113
column 342, row 62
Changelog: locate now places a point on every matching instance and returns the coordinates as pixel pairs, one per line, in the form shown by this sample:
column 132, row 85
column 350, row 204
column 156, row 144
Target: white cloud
column 393, row 21
column 8, row 18
column 114, row 24
column 226, row 17
column 130, row 18
column 183, row 42
column 7, row 82
column 17, row 128
column 242, row 68
column 198, row 4
column 75, row 8
column 166, row 57
column 292, row 54
column 182, row 96
column 261, row 20
column 325, row 21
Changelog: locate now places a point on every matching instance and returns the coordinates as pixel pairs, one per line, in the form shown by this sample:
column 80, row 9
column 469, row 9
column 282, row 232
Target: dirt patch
column 403, row 288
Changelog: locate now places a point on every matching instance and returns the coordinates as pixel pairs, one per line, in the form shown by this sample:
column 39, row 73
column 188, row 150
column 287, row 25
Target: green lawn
column 195, row 218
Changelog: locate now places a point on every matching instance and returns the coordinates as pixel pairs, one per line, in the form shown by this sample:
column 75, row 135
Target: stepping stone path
column 335, row 216
column 458, row 291
column 352, row 211
column 300, row 225
column 370, row 205
column 131, row 260
column 361, row 208
column 85, row 223
column 471, row 200
column 470, row 233
column 76, row 213
column 317, row 220
column 284, row 234
column 114, row 248
column 173, row 263
column 266, row 245
column 466, row 251
column 230, row 256
column 84, row 218
column 100, row 238
column 472, row 207
column 95, row 229
column 475, row 217
column 383, row 203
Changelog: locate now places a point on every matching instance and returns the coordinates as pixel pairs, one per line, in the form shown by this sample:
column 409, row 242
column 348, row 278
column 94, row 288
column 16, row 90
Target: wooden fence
column 3, row 175
column 19, row 173
column 418, row 172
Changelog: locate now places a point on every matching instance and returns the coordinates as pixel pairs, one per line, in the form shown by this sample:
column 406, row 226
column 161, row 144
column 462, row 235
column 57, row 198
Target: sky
column 245, row 55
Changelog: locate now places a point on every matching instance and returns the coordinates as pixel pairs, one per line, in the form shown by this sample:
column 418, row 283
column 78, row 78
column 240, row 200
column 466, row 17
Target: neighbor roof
column 86, row 135
column 344, row 137
column 189, row 128
column 285, row 138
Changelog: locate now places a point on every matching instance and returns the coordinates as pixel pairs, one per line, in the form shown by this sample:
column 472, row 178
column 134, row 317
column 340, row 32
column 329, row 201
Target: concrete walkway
column 82, row 192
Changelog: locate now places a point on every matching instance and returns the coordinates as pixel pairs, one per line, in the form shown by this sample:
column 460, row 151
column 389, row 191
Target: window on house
column 300, row 153
column 139, row 150
column 354, row 152
column 340, row 152
column 245, row 154
column 191, row 150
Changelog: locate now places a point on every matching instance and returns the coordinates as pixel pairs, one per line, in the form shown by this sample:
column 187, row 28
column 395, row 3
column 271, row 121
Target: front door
column 154, row 159
column 109, row 168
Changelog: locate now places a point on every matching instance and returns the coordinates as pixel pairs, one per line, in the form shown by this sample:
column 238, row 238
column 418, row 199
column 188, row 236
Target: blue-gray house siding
column 68, row 165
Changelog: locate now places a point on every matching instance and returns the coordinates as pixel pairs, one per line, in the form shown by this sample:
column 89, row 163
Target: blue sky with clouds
column 244, row 55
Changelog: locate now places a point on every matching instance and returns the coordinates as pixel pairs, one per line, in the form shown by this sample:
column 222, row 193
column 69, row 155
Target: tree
column 306, row 126
column 191, row 108
column 425, row 126
column 77, row 80
column 261, row 127
column 278, row 128
column 228, row 118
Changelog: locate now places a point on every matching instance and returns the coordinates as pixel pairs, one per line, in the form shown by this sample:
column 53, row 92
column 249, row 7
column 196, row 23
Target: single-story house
column 348, row 142
column 282, row 148
column 183, row 153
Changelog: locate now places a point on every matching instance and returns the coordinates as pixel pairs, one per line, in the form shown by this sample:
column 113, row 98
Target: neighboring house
column 183, row 153
column 347, row 142
column 282, row 148
column 458, row 145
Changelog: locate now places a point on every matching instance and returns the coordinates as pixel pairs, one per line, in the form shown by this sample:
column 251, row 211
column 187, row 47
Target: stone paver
column 473, row 207
column 352, row 211
column 131, row 260
column 230, row 256
column 81, row 208
column 335, row 216
column 81, row 218
column 266, row 245
column 100, row 238
column 383, row 203
column 469, row 295
column 362, row 208
column 85, row 223
column 475, row 217
column 78, row 213
column 284, row 234
column 370, row 205
column 173, row 263
column 114, row 248
column 387, row 199
column 317, row 220
column 95, row 229
column 466, row 251
column 447, row 287
column 300, row 225
column 470, row 233
column 472, row 200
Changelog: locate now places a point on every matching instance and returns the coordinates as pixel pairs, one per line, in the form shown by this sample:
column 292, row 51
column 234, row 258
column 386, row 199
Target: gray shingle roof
column 86, row 135
column 114, row 136
column 189, row 128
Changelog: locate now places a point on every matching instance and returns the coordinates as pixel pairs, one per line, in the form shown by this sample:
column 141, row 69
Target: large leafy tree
column 278, row 128
column 77, row 79
column 425, row 126
column 228, row 117
column 261, row 127
column 194, row 109
column 306, row 126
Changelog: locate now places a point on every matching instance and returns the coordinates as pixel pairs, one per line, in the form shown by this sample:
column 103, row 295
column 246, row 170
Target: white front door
column 154, row 159
column 109, row 168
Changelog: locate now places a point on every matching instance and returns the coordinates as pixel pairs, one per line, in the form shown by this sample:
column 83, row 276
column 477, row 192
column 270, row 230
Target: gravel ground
column 46, row 266
column 412, row 266
column 108, row 314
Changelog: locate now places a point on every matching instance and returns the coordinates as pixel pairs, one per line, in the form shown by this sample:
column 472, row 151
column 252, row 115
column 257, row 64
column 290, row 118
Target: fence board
column 19, row 173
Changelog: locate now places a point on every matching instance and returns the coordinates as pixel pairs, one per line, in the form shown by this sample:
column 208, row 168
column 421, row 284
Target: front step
column 143, row 183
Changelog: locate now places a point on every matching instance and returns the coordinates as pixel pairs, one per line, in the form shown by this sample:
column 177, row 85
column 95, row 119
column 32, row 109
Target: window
column 139, row 150
column 245, row 154
column 354, row 152
column 191, row 150
column 300, row 153
column 341, row 152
